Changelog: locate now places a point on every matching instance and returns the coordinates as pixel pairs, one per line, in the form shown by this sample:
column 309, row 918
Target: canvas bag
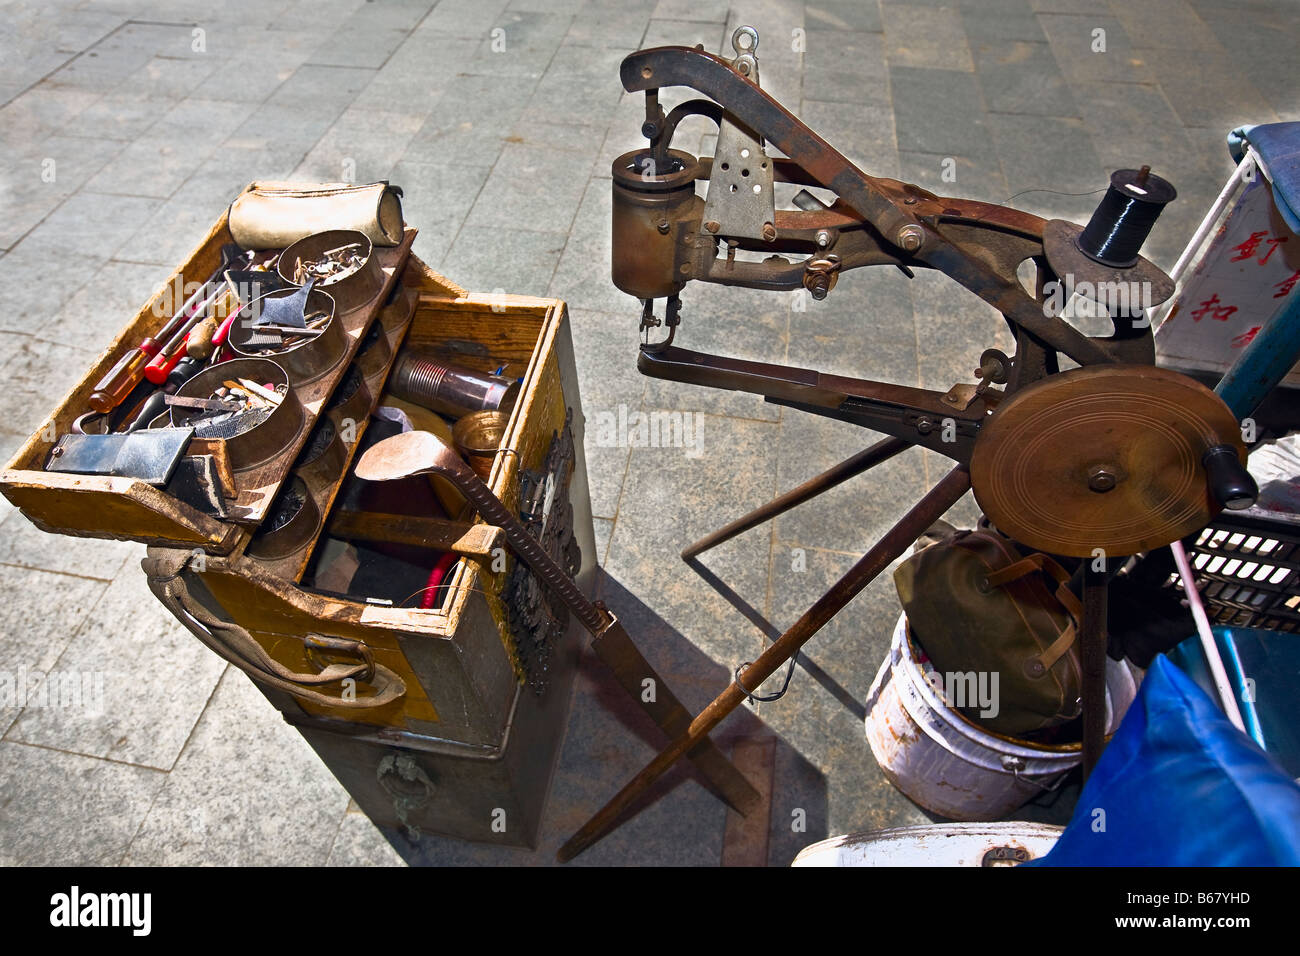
column 272, row 215
column 975, row 603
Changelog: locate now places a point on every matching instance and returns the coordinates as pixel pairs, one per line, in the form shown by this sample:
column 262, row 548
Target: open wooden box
column 465, row 723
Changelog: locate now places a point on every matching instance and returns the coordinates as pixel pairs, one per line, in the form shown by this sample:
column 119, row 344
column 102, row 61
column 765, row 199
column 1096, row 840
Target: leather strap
column 1039, row 562
column 236, row 645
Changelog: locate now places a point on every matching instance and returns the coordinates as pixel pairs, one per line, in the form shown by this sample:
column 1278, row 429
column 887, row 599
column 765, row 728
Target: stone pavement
column 127, row 126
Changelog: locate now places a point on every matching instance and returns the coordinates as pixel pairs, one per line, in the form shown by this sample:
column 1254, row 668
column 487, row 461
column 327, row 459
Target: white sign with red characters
column 1242, row 278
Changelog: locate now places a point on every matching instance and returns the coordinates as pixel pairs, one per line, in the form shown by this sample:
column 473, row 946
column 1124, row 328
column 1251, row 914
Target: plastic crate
column 1247, row 566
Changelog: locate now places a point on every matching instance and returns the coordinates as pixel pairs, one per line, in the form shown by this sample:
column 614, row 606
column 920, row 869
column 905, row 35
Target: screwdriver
column 129, row 370
column 164, row 361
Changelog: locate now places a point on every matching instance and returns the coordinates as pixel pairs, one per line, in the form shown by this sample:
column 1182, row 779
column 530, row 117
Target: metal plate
column 1147, row 427
column 740, row 198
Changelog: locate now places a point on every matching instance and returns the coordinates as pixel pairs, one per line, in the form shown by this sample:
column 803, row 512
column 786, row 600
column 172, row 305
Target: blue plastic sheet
column 1180, row 786
column 1278, row 145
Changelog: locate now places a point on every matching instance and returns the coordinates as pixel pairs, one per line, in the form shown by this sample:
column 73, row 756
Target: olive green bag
column 974, row 603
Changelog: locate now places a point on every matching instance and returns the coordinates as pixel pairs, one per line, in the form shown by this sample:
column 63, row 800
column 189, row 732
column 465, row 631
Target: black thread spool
column 1124, row 217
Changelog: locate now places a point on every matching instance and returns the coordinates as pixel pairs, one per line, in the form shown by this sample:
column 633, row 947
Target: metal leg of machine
column 892, row 545
column 864, row 460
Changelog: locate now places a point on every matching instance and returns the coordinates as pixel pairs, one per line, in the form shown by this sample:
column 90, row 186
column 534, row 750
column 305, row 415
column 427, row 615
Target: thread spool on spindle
column 1124, row 217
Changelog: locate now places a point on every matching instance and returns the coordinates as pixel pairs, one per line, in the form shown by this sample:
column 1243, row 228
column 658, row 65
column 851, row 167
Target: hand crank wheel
column 1106, row 456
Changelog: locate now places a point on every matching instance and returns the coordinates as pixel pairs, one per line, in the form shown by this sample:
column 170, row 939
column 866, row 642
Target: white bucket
column 941, row 760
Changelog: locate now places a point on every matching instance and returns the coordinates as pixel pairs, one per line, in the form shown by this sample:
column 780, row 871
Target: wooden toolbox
column 440, row 727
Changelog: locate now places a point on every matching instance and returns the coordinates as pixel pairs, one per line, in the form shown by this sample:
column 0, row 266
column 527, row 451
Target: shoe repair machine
column 1107, row 459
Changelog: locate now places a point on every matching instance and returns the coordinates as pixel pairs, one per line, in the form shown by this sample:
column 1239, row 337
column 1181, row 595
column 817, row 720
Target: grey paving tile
column 120, row 116
column 359, row 843
column 709, row 11
column 953, row 326
column 1023, row 78
column 437, row 198
column 1168, row 24
column 606, row 470
column 580, row 88
column 607, row 375
column 155, row 677
column 619, row 26
column 497, row 260
column 670, row 499
column 687, row 33
column 465, row 18
column 846, row 68
column 821, row 715
column 842, row 15
column 1089, row 56
column 37, row 180
column 313, row 89
column 468, row 124
column 177, row 226
column 931, row 37
column 939, row 111
column 170, row 76
column 1129, row 120
column 863, row 133
column 110, row 298
column 30, row 643
column 277, row 137
column 363, row 145
column 848, row 518
column 88, row 809
column 990, row 24
column 1047, row 159
column 961, row 176
column 25, row 545
column 1260, row 33
column 604, row 528
column 157, row 163
column 1216, row 95
column 39, row 112
column 582, row 277
column 89, row 227
column 369, row 37
column 224, row 803
column 255, row 76
column 530, row 188
column 734, row 322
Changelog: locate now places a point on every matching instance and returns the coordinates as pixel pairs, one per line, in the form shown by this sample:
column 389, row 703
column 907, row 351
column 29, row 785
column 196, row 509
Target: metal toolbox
column 438, row 727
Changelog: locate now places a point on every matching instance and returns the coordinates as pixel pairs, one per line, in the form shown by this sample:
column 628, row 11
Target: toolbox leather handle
column 236, row 645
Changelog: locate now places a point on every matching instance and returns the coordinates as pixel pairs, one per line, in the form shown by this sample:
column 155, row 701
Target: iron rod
column 891, row 546
column 868, row 458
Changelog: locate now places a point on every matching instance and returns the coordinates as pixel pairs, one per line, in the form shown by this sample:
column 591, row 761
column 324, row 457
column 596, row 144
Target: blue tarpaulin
column 1180, row 786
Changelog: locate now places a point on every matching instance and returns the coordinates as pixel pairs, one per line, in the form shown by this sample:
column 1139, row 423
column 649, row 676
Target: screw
column 769, row 232
column 712, row 226
column 823, row 238
column 818, row 286
column 662, row 226
column 924, row 425
column 911, row 237
column 1101, row 479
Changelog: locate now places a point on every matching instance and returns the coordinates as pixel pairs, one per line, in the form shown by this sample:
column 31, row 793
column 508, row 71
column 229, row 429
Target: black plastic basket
column 1247, row 566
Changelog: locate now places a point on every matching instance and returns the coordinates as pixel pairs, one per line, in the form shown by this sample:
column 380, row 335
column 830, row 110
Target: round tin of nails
column 478, row 437
column 374, row 355
column 342, row 262
column 321, row 461
column 289, row 526
column 256, row 427
column 305, row 355
column 351, row 402
column 397, row 314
